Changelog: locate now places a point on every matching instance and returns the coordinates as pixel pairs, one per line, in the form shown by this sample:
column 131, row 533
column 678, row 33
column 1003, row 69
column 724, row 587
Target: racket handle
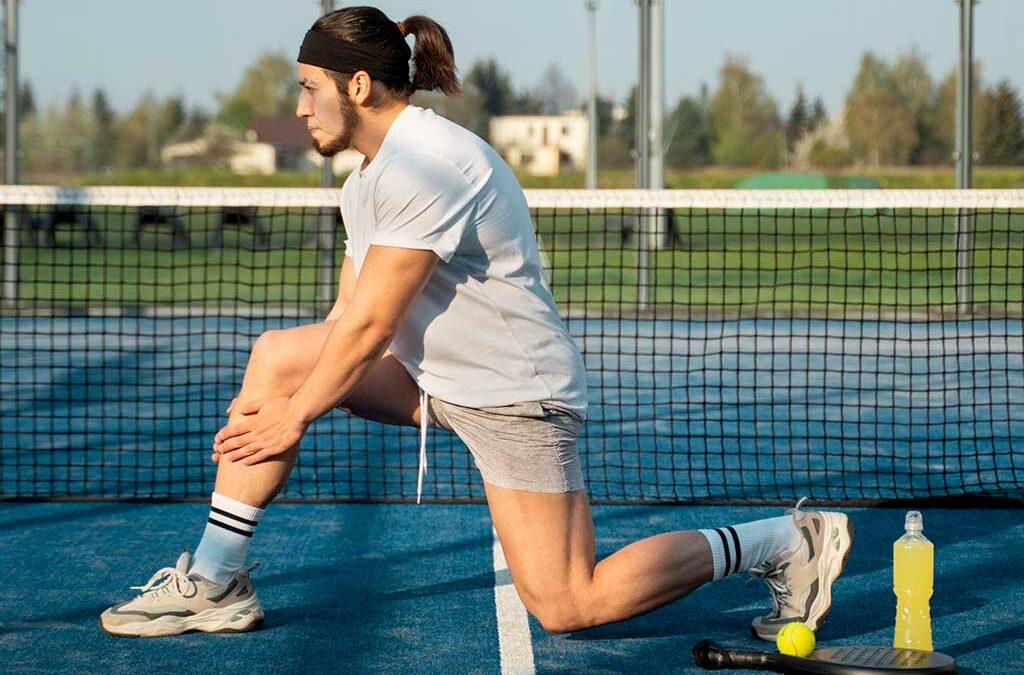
column 711, row 656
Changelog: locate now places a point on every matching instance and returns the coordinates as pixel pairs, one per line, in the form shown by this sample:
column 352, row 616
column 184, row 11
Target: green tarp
column 806, row 181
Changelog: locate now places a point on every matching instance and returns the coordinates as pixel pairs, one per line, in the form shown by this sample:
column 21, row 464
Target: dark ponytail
column 433, row 58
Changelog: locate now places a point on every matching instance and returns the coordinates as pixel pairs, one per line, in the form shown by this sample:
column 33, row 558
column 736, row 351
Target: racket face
column 885, row 659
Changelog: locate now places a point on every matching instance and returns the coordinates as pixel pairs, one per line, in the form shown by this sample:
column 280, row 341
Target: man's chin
column 329, row 149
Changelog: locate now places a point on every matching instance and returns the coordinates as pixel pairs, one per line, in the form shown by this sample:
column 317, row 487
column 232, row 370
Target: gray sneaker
column 800, row 582
column 174, row 602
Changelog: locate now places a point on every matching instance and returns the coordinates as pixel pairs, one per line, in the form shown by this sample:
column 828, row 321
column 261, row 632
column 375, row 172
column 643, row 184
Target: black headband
column 342, row 56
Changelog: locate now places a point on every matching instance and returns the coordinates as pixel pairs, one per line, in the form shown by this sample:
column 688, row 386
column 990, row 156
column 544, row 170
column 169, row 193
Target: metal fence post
column 326, row 239
column 964, row 159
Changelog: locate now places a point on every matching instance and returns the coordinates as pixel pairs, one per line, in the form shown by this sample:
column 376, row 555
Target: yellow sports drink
column 912, row 574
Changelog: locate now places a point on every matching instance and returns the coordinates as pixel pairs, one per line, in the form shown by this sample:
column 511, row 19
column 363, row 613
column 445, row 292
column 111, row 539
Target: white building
column 542, row 145
column 270, row 145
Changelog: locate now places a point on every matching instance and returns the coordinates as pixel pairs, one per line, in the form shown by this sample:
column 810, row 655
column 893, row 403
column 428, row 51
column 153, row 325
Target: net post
column 642, row 262
column 592, row 94
column 326, row 243
column 11, row 214
column 10, row 256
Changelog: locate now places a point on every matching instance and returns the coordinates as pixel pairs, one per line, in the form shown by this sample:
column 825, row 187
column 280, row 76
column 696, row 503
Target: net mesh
column 741, row 347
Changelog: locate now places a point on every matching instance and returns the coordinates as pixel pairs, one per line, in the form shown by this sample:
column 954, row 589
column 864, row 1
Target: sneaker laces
column 161, row 582
column 773, row 574
column 252, row 566
column 774, row 577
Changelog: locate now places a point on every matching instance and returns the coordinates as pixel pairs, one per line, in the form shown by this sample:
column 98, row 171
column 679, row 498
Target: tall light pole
column 641, row 115
column 656, row 106
column 650, row 104
column 592, row 97
column 11, row 148
column 965, row 95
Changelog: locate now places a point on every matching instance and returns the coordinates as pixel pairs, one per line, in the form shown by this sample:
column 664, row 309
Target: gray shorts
column 526, row 446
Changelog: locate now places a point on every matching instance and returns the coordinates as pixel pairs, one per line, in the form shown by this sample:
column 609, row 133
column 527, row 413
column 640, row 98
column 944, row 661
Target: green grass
column 609, row 177
column 992, row 178
column 864, row 263
column 197, row 178
column 720, row 263
column 148, row 277
column 721, row 178
column 793, row 281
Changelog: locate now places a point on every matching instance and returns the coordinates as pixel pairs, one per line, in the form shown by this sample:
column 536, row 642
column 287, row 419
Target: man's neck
column 373, row 127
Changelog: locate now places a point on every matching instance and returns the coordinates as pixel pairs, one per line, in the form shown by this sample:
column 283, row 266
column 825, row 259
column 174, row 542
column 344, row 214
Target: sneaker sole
column 832, row 566
column 240, row 617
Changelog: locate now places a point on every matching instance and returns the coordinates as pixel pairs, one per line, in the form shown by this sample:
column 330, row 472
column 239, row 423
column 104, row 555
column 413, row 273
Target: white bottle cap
column 914, row 522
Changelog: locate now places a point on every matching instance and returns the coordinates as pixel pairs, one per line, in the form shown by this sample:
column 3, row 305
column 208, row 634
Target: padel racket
column 826, row 661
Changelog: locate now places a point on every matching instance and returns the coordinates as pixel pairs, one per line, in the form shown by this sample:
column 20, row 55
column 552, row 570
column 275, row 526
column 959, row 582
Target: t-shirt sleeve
column 422, row 202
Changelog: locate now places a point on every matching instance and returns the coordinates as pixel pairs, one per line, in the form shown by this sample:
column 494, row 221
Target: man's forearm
column 336, row 311
column 352, row 346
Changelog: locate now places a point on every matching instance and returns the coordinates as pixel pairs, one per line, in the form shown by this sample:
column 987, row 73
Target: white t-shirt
column 485, row 332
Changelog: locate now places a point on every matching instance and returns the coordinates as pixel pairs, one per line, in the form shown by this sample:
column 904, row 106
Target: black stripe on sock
column 229, row 528
column 739, row 551
column 728, row 557
column 240, row 519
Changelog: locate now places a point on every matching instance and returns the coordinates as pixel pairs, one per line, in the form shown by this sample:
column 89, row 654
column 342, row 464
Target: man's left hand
column 268, row 429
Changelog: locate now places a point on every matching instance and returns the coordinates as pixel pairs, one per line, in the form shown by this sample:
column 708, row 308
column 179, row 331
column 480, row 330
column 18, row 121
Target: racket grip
column 711, row 656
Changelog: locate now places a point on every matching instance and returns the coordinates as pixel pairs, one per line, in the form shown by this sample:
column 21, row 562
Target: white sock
column 737, row 548
column 225, row 541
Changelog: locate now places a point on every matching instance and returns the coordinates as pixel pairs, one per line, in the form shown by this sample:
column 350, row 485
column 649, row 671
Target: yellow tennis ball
column 795, row 639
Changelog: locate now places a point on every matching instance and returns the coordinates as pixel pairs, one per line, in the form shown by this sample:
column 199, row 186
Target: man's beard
column 343, row 141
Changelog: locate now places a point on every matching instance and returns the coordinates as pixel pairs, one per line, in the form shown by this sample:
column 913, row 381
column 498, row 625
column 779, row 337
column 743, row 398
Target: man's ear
column 359, row 87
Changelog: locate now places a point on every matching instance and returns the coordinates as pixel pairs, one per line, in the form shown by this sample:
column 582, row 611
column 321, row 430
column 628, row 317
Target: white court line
column 514, row 642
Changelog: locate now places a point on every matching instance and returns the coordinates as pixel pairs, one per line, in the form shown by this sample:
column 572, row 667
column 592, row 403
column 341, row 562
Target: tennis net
column 741, row 346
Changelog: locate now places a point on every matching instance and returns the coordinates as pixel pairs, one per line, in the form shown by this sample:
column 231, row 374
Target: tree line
column 894, row 114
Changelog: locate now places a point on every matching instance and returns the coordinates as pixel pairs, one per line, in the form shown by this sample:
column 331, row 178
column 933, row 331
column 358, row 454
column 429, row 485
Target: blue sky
column 198, row 47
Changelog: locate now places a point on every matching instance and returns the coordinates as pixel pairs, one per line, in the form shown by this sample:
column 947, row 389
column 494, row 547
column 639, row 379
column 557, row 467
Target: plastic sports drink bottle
column 912, row 574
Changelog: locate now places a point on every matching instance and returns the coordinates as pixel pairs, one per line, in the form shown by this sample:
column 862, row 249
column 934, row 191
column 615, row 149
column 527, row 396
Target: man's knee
column 271, row 354
column 558, row 611
column 560, row 617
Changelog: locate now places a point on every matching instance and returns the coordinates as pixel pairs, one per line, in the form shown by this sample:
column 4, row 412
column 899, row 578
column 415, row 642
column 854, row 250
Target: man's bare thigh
column 387, row 393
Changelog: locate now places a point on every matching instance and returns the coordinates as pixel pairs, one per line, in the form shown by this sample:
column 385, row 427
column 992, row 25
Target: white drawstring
column 423, row 445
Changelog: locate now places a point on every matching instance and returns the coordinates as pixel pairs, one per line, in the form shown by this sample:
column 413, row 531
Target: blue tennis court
column 378, row 588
